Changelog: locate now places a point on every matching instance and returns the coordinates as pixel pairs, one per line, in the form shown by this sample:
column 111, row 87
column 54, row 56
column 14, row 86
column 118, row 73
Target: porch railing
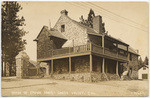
column 107, row 52
column 68, row 50
column 87, row 48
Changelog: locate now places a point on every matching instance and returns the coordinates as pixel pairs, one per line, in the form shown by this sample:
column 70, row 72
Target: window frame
column 63, row 28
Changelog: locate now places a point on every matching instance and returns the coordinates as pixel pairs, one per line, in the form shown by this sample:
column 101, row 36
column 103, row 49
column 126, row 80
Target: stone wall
column 96, row 39
column 133, row 65
column 22, row 62
column 73, row 31
column 82, row 77
column 134, row 62
column 44, row 44
column 61, row 66
column 24, row 67
column 81, row 64
column 97, row 64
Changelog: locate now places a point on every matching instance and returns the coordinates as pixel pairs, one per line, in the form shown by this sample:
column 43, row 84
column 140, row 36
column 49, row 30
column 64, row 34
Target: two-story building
column 77, row 52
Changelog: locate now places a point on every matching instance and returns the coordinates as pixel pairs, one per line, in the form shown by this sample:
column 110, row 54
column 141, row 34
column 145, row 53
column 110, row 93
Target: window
column 62, row 28
column 144, row 68
column 144, row 76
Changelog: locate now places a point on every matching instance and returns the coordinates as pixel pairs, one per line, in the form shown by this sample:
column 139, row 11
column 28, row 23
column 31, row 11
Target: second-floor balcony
column 88, row 48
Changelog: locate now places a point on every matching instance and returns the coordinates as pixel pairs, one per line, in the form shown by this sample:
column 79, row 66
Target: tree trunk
column 2, row 67
column 10, row 68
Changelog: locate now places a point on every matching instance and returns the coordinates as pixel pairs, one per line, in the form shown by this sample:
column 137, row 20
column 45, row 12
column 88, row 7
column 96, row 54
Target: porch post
column 103, row 43
column 91, row 63
column 103, row 66
column 117, row 67
column 69, row 65
column 51, row 66
column 117, row 49
column 106, row 65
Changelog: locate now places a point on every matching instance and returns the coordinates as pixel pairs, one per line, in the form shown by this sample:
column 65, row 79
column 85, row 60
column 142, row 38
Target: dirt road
column 48, row 87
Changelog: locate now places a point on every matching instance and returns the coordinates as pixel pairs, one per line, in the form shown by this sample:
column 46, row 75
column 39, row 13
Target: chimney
column 97, row 24
column 64, row 12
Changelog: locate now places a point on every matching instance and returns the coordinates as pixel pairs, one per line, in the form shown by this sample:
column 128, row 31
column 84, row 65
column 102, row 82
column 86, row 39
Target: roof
column 144, row 66
column 130, row 49
column 68, row 43
column 52, row 32
column 118, row 40
column 56, row 33
column 32, row 64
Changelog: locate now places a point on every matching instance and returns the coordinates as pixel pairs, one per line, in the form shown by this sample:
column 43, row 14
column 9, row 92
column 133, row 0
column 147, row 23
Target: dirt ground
column 49, row 87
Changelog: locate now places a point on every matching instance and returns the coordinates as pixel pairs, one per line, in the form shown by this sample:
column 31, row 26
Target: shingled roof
column 52, row 32
column 56, row 33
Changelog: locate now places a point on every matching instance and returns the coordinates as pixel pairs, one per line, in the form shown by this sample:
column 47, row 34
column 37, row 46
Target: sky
column 128, row 21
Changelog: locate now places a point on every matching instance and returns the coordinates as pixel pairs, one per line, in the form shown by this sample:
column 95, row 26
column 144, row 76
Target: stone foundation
column 86, row 77
column 82, row 77
column 113, row 76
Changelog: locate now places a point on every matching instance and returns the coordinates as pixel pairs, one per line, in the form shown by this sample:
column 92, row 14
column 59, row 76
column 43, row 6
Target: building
column 143, row 73
column 26, row 68
column 78, row 52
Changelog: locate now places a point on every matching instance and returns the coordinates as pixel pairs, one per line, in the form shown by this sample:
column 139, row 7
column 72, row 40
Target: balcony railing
column 70, row 50
column 107, row 52
column 87, row 48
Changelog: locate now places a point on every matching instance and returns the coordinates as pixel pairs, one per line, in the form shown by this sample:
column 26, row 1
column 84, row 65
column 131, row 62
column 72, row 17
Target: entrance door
column 144, row 76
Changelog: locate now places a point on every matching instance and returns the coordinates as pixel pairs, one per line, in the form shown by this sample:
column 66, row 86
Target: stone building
column 77, row 52
column 26, row 68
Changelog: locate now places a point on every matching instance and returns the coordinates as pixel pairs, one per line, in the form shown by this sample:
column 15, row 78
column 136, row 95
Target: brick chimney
column 97, row 24
column 64, row 12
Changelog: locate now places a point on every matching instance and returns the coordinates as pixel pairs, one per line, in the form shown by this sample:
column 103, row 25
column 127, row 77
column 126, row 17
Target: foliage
column 89, row 21
column 140, row 63
column 146, row 61
column 12, row 42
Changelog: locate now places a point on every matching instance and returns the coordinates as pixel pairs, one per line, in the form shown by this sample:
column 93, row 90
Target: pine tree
column 89, row 21
column 140, row 63
column 146, row 60
column 12, row 42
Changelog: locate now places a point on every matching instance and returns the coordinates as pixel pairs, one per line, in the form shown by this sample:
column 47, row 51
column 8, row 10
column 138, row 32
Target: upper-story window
column 62, row 28
column 144, row 68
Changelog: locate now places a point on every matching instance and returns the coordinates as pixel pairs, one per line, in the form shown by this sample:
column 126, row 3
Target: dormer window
column 62, row 28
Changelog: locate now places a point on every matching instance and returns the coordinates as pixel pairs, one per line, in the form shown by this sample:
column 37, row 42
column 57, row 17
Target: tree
column 140, row 63
column 12, row 42
column 146, row 61
column 89, row 21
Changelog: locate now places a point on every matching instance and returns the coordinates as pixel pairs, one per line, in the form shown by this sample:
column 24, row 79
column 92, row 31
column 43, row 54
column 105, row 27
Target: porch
column 84, row 50
column 84, row 68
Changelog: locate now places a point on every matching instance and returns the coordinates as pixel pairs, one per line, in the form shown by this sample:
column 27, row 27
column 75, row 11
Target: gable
column 141, row 70
column 73, row 31
column 43, row 32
